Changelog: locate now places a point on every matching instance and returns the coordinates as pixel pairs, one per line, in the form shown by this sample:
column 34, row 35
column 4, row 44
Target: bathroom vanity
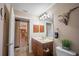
column 42, row 46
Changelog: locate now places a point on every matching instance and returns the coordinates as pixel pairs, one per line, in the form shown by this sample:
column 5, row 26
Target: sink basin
column 43, row 39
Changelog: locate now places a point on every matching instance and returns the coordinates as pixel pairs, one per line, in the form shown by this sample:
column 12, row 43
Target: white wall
column 11, row 32
column 37, row 22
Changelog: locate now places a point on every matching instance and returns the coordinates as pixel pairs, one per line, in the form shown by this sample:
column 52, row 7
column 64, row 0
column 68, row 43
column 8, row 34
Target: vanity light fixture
column 44, row 16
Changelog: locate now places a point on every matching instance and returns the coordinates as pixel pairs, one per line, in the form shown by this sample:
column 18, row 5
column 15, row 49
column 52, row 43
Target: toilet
column 62, row 52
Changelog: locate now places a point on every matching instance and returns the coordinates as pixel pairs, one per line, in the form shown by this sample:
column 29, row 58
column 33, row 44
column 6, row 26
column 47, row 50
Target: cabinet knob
column 46, row 50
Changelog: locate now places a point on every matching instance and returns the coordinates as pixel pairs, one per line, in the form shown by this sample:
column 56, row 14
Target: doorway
column 21, row 37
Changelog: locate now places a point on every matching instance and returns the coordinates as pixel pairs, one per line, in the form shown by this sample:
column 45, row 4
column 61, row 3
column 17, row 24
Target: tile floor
column 23, row 51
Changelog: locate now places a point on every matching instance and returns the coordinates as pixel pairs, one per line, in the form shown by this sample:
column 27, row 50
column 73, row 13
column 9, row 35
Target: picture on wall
column 35, row 28
column 41, row 28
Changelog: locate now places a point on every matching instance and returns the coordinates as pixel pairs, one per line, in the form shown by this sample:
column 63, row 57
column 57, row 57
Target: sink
column 43, row 39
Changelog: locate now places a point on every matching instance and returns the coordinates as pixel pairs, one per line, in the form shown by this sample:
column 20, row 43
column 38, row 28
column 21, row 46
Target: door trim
column 24, row 20
column 5, row 32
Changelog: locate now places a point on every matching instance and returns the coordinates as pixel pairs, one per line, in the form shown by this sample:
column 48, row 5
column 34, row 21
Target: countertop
column 43, row 39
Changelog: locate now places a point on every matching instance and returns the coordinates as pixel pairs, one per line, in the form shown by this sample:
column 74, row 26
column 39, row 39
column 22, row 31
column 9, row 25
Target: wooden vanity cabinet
column 39, row 49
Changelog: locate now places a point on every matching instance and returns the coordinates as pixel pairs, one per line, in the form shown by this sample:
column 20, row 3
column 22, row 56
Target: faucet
column 43, row 37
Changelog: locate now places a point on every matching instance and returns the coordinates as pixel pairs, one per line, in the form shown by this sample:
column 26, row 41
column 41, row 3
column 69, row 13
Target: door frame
column 23, row 20
column 5, row 32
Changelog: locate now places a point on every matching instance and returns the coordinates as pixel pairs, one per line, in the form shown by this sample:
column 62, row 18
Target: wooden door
column 17, row 34
column 5, row 32
column 21, row 29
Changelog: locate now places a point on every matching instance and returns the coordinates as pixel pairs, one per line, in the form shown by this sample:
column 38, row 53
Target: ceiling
column 33, row 8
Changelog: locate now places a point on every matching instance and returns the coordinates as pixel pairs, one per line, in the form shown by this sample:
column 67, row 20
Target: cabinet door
column 34, row 47
column 48, row 46
column 51, row 48
column 39, row 50
column 34, row 50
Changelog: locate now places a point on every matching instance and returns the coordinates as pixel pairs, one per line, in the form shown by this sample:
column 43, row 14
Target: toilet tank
column 62, row 52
